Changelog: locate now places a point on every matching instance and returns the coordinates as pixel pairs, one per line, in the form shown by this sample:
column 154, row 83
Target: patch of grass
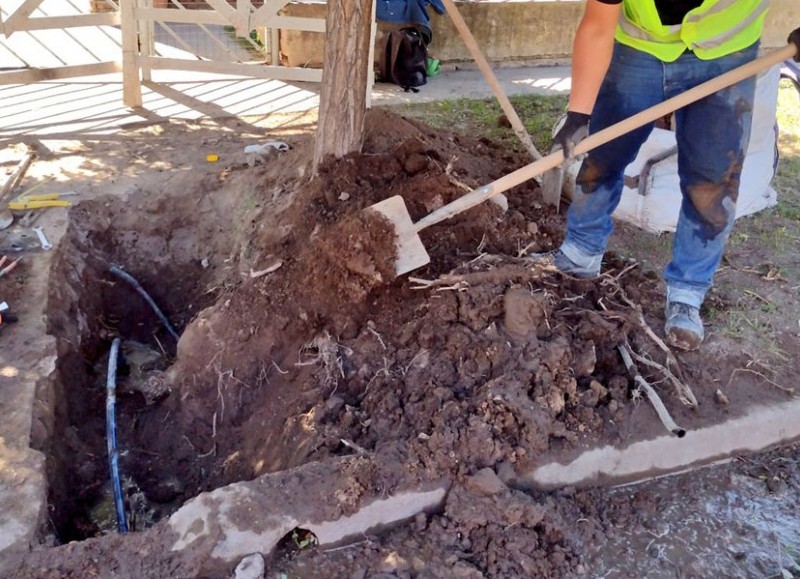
column 778, row 239
column 483, row 117
column 787, row 180
column 752, row 325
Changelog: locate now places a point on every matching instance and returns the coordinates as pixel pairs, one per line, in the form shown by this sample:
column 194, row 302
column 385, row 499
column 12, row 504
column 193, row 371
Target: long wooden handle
column 18, row 175
column 488, row 74
column 478, row 196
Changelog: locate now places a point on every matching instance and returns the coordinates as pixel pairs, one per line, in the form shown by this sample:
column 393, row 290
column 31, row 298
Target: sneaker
column 558, row 260
column 683, row 328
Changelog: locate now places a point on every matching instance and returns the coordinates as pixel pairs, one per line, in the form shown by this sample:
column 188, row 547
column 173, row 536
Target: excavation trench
column 89, row 307
column 303, row 365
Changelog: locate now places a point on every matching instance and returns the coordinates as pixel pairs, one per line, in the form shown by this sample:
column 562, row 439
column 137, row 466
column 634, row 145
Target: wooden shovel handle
column 18, row 175
column 478, row 196
column 488, row 74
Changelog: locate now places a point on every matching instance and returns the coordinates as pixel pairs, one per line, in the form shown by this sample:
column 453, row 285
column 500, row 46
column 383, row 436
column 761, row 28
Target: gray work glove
column 570, row 130
column 794, row 38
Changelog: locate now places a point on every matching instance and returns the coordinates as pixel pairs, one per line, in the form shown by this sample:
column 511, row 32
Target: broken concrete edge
column 762, row 428
column 218, row 528
column 26, row 368
column 23, row 499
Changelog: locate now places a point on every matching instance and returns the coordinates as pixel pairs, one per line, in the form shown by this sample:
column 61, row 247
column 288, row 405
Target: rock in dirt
column 251, row 567
column 486, row 482
column 524, row 312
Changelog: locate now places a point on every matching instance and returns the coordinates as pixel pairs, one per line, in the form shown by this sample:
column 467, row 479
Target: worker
column 628, row 56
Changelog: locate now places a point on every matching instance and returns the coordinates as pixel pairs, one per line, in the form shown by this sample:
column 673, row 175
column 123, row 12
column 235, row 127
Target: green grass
column 482, row 117
column 787, row 181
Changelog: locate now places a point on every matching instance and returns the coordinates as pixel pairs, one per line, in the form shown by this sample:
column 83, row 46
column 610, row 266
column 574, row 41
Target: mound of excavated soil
column 310, row 348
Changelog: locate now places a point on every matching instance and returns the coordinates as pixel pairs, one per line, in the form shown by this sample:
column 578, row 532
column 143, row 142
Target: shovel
column 411, row 253
column 6, row 217
column 491, row 79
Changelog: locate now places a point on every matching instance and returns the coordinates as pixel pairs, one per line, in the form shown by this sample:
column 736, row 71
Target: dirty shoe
column 683, row 328
column 562, row 263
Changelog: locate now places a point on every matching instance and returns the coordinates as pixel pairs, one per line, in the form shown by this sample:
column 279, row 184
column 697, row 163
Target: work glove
column 794, row 38
column 570, row 130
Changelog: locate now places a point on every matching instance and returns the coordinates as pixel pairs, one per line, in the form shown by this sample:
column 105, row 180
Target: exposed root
column 672, row 370
column 685, row 393
column 652, row 395
column 371, row 329
column 497, row 275
column 354, row 446
column 261, row 273
column 323, row 350
column 787, row 389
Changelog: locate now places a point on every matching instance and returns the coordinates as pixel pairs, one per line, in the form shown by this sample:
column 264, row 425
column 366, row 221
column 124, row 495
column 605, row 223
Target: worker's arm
column 591, row 55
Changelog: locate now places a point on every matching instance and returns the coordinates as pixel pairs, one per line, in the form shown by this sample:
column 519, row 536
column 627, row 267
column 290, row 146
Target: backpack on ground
column 405, row 59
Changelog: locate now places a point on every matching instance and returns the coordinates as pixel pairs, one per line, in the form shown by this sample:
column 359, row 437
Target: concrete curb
column 221, row 527
column 761, row 428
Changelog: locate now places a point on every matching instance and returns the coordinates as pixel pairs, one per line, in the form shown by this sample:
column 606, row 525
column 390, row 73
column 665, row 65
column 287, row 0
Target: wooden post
column 373, row 30
column 274, row 46
column 243, row 18
column 147, row 46
column 131, row 83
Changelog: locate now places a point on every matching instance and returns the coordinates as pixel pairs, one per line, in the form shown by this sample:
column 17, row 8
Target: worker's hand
column 570, row 130
column 794, row 38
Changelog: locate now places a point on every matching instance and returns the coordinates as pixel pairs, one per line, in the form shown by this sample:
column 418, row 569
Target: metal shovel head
column 6, row 219
column 411, row 252
column 552, row 182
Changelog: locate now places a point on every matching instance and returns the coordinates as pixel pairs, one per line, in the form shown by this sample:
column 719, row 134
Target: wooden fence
column 235, row 37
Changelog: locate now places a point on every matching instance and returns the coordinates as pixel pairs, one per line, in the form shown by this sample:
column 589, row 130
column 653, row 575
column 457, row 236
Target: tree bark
column 343, row 98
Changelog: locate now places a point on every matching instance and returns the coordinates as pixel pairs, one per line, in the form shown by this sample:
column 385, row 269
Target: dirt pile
column 297, row 343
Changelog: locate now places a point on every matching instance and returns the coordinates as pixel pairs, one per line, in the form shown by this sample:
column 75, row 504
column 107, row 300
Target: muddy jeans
column 712, row 136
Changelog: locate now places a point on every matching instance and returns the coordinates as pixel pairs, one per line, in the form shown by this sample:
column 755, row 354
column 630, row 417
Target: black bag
column 405, row 59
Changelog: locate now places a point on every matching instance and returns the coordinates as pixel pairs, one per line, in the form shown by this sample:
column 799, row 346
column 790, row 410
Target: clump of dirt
column 298, row 343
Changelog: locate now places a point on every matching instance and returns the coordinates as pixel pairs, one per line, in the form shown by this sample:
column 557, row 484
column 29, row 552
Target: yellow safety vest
column 713, row 29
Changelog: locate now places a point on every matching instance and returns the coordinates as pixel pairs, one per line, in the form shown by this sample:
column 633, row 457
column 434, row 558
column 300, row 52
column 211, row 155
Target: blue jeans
column 712, row 136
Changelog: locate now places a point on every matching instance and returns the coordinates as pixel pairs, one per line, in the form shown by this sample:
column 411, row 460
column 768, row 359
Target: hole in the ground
column 295, row 542
column 177, row 253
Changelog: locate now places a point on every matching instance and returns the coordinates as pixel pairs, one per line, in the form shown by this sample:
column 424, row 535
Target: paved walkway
column 91, row 105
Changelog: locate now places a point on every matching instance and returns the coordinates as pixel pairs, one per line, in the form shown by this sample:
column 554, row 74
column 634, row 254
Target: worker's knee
column 591, row 175
column 714, row 206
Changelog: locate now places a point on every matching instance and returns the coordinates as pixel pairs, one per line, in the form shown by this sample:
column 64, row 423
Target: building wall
column 505, row 31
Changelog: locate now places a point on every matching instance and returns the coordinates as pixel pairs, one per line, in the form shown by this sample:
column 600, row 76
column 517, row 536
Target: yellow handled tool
column 26, row 202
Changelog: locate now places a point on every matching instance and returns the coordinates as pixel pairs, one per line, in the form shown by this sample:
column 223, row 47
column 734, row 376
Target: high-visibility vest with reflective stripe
column 713, row 29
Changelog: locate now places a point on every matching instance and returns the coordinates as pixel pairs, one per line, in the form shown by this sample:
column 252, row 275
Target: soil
column 298, row 343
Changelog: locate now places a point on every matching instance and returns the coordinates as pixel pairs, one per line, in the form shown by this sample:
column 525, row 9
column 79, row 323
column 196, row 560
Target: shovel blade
column 552, row 182
column 411, row 252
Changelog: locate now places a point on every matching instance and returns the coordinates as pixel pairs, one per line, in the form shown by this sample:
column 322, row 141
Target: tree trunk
column 346, row 65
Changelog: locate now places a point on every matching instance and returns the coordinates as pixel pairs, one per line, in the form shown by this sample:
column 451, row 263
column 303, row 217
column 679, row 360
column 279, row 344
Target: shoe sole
column 685, row 340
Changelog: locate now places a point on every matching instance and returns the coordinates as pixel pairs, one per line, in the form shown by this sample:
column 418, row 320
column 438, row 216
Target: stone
column 251, row 567
column 486, row 482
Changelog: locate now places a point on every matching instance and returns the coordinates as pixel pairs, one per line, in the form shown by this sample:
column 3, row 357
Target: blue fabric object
column 408, row 12
column 712, row 136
